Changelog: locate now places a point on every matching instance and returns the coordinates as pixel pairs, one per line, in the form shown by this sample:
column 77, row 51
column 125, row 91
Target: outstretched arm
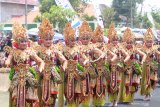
column 8, row 60
column 63, row 60
column 39, row 61
column 114, row 56
column 85, row 59
column 144, row 56
column 126, row 55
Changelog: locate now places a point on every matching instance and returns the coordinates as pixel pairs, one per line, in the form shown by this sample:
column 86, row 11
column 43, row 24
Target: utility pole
column 26, row 11
column 131, row 14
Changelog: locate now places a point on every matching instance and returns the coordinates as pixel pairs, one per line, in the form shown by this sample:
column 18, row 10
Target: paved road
column 155, row 101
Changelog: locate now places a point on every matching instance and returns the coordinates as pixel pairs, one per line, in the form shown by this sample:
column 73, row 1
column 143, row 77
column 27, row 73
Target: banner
column 98, row 13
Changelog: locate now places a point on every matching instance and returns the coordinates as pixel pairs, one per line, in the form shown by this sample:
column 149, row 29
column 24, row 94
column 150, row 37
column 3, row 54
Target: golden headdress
column 19, row 32
column 46, row 29
column 85, row 29
column 98, row 34
column 112, row 33
column 148, row 35
column 69, row 32
column 128, row 35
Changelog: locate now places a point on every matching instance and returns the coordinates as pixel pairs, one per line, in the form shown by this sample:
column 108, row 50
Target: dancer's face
column 115, row 41
column 85, row 39
column 129, row 44
column 23, row 43
column 149, row 43
column 48, row 41
column 72, row 42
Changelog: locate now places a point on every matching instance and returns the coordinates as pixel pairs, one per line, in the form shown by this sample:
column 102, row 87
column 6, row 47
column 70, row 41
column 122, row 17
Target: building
column 14, row 8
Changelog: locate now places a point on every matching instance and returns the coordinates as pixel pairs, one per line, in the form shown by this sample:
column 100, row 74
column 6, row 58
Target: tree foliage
column 88, row 18
column 156, row 16
column 57, row 15
column 45, row 5
column 123, row 8
column 142, row 21
column 108, row 16
column 60, row 16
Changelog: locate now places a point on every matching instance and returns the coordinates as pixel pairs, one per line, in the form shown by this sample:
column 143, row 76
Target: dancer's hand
column 40, row 69
column 7, row 63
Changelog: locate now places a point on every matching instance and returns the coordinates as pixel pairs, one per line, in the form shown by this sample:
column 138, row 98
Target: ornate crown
column 98, row 34
column 46, row 29
column 128, row 35
column 69, row 33
column 19, row 32
column 148, row 35
column 112, row 33
column 85, row 29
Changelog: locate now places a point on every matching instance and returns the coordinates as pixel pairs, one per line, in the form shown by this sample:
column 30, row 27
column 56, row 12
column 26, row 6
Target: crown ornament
column 19, row 32
column 98, row 34
column 148, row 35
column 85, row 29
column 69, row 32
column 128, row 35
column 112, row 33
column 46, row 29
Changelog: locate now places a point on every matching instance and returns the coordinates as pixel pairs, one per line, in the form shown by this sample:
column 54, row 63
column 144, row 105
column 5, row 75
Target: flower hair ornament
column 112, row 33
column 85, row 30
column 98, row 35
column 128, row 35
column 69, row 33
column 148, row 35
column 46, row 30
column 19, row 33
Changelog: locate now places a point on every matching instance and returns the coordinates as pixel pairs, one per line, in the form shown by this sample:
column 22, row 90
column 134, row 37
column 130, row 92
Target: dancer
column 150, row 67
column 23, row 87
column 50, row 77
column 99, row 91
column 73, row 75
column 132, row 68
column 116, row 67
column 88, row 50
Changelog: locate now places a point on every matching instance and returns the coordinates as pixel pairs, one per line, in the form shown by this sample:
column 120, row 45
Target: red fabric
column 15, row 45
column 54, row 92
column 108, row 41
column 29, row 44
column 66, row 42
column 40, row 41
column 93, row 41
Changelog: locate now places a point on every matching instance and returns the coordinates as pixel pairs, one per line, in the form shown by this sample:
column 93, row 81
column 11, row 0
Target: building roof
column 30, row 17
column 29, row 2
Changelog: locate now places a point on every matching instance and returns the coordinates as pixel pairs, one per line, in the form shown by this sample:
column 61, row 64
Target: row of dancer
column 86, row 70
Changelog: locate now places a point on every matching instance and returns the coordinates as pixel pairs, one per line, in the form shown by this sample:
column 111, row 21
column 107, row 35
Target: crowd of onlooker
column 5, row 39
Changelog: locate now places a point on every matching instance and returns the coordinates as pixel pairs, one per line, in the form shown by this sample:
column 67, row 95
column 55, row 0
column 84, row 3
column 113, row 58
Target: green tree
column 88, row 18
column 123, row 8
column 45, row 5
column 108, row 16
column 156, row 16
column 59, row 16
column 142, row 21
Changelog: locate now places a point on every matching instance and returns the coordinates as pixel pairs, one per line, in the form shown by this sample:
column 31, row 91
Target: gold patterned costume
column 116, row 68
column 133, row 70
column 23, row 87
column 99, row 89
column 50, row 77
column 89, row 71
column 150, row 67
column 72, row 75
